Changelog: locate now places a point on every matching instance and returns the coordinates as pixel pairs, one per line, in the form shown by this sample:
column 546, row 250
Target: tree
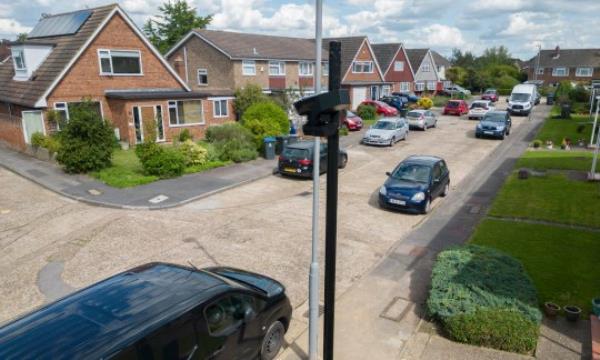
column 176, row 19
column 457, row 75
column 22, row 37
column 247, row 96
column 265, row 119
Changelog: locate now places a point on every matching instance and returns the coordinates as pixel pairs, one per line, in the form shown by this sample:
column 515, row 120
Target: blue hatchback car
column 495, row 124
column 415, row 183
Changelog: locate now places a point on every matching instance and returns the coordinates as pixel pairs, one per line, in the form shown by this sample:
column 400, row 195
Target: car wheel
column 406, row 135
column 392, row 141
column 424, row 127
column 344, row 162
column 502, row 136
column 272, row 341
column 435, row 124
column 508, row 132
column 446, row 189
column 426, row 207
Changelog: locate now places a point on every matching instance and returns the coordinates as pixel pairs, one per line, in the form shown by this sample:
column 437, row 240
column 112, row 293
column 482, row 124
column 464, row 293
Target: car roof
column 301, row 145
column 455, row 100
column 418, row 110
column 497, row 112
column 390, row 119
column 97, row 321
column 423, row 159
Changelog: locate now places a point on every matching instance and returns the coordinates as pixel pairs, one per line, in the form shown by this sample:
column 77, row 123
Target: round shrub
column 164, row 162
column 184, row 135
column 367, row 112
column 265, row 119
column 500, row 329
column 425, row 103
column 146, row 150
column 86, row 141
column 232, row 142
column 38, row 139
column 537, row 143
column 193, row 153
column 229, row 131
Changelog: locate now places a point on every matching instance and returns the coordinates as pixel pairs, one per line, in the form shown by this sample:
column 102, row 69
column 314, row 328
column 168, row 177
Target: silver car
column 421, row 119
column 479, row 108
column 386, row 131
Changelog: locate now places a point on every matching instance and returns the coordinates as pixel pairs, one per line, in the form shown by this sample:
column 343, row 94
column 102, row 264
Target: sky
column 520, row 25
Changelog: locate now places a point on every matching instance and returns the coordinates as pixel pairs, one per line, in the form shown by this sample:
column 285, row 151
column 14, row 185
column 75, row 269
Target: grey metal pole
column 595, row 160
column 313, row 291
column 595, row 122
column 537, row 64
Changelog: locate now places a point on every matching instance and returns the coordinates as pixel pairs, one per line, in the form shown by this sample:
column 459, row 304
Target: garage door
column 359, row 94
column 32, row 123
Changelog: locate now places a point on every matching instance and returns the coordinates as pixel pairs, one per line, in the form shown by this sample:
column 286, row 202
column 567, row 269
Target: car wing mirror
column 249, row 314
column 388, row 173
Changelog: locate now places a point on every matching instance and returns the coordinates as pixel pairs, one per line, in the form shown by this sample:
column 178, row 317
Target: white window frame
column 280, row 68
column 325, row 68
column 248, row 67
column 25, row 128
column 361, row 65
column 419, row 86
column 202, row 72
column 219, row 100
column 21, row 53
column 431, row 85
column 578, row 72
column 309, row 65
column 66, row 106
column 398, row 65
column 556, row 74
column 386, row 90
column 426, row 68
column 540, row 71
column 177, row 113
column 405, row 86
column 102, row 55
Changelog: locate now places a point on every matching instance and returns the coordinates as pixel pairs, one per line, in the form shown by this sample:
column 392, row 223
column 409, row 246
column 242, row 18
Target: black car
column 395, row 101
column 157, row 311
column 415, row 183
column 297, row 159
column 494, row 124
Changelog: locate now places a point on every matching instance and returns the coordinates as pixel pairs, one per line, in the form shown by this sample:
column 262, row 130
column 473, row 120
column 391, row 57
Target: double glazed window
column 120, row 62
column 220, row 108
column 431, row 85
column 386, row 90
column 305, row 68
column 185, row 112
column 404, row 86
column 362, row 67
column 419, row 86
column 325, row 68
column 426, row 68
column 249, row 67
column 398, row 65
column 560, row 71
column 584, row 71
column 202, row 77
column 276, row 68
column 19, row 59
column 540, row 71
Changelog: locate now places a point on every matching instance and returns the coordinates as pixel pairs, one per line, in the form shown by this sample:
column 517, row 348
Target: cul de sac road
column 50, row 245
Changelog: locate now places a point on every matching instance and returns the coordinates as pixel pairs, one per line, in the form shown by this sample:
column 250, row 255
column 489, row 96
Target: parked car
column 386, row 131
column 490, row 94
column 415, row 183
column 169, row 311
column 522, row 99
column 421, row 119
column 352, row 121
column 479, row 108
column 395, row 102
column 456, row 89
column 381, row 108
column 494, row 124
column 297, row 159
column 407, row 96
column 456, row 107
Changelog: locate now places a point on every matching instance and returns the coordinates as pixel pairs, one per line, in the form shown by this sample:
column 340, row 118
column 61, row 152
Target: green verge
column 552, row 198
column 556, row 159
column 558, row 129
column 562, row 262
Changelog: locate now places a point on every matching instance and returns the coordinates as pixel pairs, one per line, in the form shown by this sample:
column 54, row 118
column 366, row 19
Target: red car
column 456, row 107
column 490, row 94
column 352, row 121
column 381, row 107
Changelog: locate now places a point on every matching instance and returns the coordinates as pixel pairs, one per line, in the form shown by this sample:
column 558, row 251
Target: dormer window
column 19, row 59
column 120, row 62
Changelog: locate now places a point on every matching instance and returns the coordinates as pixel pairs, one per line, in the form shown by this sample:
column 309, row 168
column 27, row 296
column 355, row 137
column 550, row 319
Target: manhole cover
column 475, row 209
column 94, row 192
column 158, row 199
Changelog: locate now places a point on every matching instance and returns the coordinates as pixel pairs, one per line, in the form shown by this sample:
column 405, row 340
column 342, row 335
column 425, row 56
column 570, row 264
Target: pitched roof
column 350, row 46
column 568, row 57
column 385, row 53
column 440, row 60
column 4, row 49
column 416, row 56
column 238, row 45
column 65, row 48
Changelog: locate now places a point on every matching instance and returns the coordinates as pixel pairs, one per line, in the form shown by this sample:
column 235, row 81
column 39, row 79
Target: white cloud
column 440, row 36
column 12, row 27
column 499, row 5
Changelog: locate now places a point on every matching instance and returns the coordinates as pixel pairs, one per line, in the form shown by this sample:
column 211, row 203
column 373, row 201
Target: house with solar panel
column 99, row 55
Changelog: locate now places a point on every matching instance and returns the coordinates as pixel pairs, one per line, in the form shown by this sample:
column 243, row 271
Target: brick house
column 554, row 66
column 395, row 66
column 103, row 57
column 4, row 50
column 426, row 74
column 226, row 60
column 441, row 64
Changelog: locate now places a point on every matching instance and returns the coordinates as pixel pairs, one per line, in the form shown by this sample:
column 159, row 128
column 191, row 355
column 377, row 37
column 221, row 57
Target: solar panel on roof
column 64, row 24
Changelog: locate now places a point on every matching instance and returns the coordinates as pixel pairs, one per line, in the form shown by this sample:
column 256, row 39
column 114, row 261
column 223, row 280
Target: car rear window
column 478, row 106
column 292, row 153
column 452, row 104
column 414, row 114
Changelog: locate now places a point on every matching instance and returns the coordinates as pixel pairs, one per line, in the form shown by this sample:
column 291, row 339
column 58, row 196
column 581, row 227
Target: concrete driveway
column 51, row 245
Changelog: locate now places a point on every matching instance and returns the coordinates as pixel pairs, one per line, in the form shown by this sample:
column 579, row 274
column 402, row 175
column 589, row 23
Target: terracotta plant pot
column 551, row 309
column 596, row 306
column 572, row 312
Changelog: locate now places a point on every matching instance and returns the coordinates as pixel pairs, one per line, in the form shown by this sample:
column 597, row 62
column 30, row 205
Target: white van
column 522, row 99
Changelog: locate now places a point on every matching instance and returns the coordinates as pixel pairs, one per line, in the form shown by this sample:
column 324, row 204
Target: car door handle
column 216, row 352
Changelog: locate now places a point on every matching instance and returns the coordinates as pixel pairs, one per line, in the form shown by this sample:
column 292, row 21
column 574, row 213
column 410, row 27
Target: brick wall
column 199, row 131
column 549, row 79
column 11, row 132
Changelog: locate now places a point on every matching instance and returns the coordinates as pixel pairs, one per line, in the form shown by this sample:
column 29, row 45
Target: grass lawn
column 367, row 123
column 558, row 129
column 126, row 170
column 553, row 198
column 440, row 101
column 556, row 159
column 563, row 263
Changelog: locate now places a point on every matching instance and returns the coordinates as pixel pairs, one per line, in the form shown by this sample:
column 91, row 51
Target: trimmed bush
column 500, row 329
column 265, row 119
column 425, row 103
column 249, row 95
column 86, row 141
column 367, row 112
column 184, row 135
column 193, row 153
column 164, row 162
column 537, row 143
column 38, row 139
column 232, row 142
column 146, row 150
column 226, row 132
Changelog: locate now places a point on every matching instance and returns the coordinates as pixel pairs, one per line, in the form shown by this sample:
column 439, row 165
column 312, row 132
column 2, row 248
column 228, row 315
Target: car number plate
column 397, row 202
column 488, row 132
column 288, row 169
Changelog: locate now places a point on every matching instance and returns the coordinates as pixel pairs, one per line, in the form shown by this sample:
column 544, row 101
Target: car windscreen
column 384, row 125
column 414, row 114
column 293, row 153
column 494, row 117
column 350, row 114
column 452, row 104
column 412, row 172
column 490, row 92
column 478, row 105
column 519, row 97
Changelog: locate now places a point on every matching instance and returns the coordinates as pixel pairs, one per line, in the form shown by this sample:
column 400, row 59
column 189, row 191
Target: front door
column 374, row 92
column 32, row 122
column 143, row 117
column 359, row 94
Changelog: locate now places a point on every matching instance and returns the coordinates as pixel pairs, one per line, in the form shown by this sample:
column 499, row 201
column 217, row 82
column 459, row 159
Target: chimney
column 556, row 52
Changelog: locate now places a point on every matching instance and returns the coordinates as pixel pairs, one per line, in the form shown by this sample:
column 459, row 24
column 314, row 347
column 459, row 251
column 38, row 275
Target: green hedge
column 366, row 112
column 231, row 142
column 469, row 279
